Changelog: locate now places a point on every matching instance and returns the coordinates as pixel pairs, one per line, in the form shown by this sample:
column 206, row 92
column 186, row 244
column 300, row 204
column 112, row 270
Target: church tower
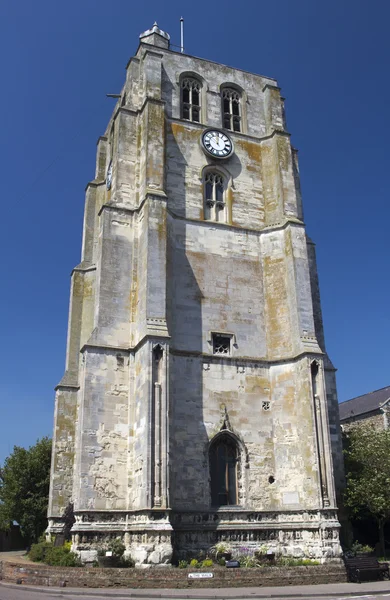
column 198, row 403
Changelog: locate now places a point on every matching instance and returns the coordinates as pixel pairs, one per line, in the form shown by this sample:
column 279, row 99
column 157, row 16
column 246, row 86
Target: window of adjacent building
column 231, row 109
column 223, row 471
column 214, row 197
column 221, row 344
column 190, row 99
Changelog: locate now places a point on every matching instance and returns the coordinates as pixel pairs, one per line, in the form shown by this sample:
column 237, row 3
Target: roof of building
column 364, row 404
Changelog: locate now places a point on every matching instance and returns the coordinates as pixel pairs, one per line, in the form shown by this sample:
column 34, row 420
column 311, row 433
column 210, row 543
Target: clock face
column 216, row 143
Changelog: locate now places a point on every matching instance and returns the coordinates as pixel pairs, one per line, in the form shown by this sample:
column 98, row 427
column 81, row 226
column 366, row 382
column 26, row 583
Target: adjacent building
column 369, row 409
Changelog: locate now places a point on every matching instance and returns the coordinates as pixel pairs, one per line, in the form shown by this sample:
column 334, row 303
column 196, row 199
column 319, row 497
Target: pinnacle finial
column 157, row 30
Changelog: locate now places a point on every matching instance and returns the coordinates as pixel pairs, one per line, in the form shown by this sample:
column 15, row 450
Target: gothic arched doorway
column 223, row 460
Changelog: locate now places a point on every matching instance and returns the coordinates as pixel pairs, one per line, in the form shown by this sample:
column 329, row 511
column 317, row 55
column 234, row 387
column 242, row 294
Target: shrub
column 219, row 549
column 38, row 551
column 61, row 557
column 358, row 548
column 261, row 552
column 207, row 562
column 56, row 556
column 248, row 561
column 183, row 564
column 117, row 547
column 126, row 562
column 246, row 557
column 222, row 562
column 195, row 563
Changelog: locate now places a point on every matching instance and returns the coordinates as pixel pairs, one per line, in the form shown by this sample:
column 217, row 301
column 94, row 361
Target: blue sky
column 59, row 59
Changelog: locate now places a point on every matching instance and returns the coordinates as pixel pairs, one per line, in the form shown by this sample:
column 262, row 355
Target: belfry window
column 214, row 197
column 231, row 109
column 190, row 99
column 223, row 471
column 221, row 344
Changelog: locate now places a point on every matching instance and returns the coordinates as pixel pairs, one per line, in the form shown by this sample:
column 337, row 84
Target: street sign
column 200, row 575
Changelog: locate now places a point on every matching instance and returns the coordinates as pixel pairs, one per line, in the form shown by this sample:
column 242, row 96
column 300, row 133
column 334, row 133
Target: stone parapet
column 153, row 537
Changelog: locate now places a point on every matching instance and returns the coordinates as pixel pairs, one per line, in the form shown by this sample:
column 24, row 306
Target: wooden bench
column 365, row 567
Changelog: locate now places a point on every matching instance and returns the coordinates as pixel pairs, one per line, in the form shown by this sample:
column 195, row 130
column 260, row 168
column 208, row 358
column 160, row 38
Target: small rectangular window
column 221, row 344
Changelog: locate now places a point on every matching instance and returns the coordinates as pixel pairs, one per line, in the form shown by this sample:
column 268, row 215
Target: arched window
column 214, row 197
column 223, row 471
column 231, row 109
column 190, row 99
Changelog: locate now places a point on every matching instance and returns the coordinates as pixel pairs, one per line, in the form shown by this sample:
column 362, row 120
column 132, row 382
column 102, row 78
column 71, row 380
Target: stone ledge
column 166, row 577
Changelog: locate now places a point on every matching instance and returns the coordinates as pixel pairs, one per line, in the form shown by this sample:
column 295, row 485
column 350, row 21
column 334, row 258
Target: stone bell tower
column 198, row 403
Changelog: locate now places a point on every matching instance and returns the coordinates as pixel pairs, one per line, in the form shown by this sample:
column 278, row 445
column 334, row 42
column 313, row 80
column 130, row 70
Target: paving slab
column 303, row 591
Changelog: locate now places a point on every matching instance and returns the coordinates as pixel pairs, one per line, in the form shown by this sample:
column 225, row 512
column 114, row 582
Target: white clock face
column 217, row 144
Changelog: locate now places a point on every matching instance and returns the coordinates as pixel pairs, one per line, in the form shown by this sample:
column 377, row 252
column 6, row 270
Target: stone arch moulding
column 237, row 439
column 203, row 92
column 195, row 75
column 219, row 169
column 242, row 459
column 243, row 103
column 227, row 181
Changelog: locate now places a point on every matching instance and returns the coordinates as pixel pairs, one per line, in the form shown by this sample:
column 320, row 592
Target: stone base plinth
column 299, row 534
column 158, row 537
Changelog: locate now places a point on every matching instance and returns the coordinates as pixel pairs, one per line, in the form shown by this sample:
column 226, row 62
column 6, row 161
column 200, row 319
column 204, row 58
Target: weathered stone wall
column 372, row 419
column 143, row 395
column 101, row 462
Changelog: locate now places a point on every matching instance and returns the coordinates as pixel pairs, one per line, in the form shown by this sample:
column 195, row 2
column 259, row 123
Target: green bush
column 183, row 564
column 38, row 551
column 248, row 561
column 117, row 547
column 56, row 556
column 207, row 562
column 358, row 548
column 61, row 557
column 195, row 563
column 222, row 562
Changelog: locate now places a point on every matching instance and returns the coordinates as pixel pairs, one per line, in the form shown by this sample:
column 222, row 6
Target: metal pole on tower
column 181, row 34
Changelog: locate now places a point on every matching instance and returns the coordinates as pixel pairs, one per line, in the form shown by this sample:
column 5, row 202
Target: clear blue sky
column 59, row 59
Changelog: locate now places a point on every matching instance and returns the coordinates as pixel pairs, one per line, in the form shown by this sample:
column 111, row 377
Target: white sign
column 200, row 575
column 108, row 553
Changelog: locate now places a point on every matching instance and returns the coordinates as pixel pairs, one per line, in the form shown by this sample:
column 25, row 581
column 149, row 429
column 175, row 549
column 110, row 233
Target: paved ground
column 332, row 591
column 338, row 591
